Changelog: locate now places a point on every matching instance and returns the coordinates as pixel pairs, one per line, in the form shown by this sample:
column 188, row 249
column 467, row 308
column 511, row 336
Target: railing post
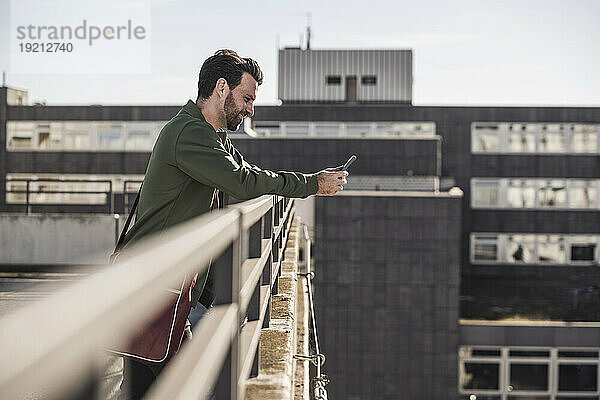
column 268, row 230
column 227, row 285
column 27, row 197
column 255, row 237
column 112, row 198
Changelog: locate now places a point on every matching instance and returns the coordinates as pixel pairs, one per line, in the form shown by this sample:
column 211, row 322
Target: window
column 583, row 249
column 327, row 129
column 358, row 129
column 520, row 249
column 334, row 80
column 486, row 142
column 553, row 193
column 82, row 135
column 551, row 249
column 141, row 135
column 528, row 377
column 76, row 137
column 485, row 248
column 552, row 139
column 520, row 193
column 582, row 193
column 110, row 137
column 529, row 373
column 528, row 137
column 535, row 193
column 558, row 249
column 267, row 128
column 19, row 134
column 484, row 194
column 584, row 138
column 578, row 377
column 481, row 376
column 296, row 128
column 520, row 140
column 368, row 80
column 335, row 128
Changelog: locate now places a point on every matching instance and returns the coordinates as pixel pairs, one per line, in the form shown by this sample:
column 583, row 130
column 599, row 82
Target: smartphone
column 349, row 162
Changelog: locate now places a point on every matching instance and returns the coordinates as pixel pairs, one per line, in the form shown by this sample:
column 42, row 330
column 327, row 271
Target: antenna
column 3, row 78
column 309, row 23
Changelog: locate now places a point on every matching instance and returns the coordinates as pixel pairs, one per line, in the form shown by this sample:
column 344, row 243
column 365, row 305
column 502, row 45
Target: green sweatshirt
column 190, row 160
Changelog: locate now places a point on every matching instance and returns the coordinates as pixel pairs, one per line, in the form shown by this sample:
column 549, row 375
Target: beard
column 233, row 115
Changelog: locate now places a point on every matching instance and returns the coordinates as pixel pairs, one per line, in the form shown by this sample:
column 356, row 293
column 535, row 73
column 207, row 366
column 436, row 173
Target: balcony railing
column 55, row 346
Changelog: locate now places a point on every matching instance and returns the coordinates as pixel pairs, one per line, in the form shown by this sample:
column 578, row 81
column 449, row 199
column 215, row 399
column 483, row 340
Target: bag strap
column 129, row 218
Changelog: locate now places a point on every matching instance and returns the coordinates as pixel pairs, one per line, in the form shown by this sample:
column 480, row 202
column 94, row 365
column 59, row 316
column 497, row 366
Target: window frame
column 568, row 131
column 502, row 239
column 333, row 80
column 537, row 184
column 553, row 360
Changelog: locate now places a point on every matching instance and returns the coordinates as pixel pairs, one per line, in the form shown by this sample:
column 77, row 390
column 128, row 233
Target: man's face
column 239, row 103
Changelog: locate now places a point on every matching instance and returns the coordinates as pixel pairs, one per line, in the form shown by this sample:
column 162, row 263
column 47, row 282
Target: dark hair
column 225, row 64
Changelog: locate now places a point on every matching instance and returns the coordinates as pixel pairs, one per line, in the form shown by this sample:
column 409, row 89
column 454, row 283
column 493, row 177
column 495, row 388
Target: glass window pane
column 582, row 194
column 19, row 135
column 466, row 352
column 583, row 252
column 267, row 129
column 584, row 143
column 140, row 135
column 485, row 251
column 552, row 142
column 484, row 194
column 520, row 249
column 480, row 375
column 358, row 129
column 577, row 378
column 520, row 141
column 551, row 249
column 16, row 186
column 520, row 193
column 49, row 135
column 486, row 353
column 327, row 129
column 296, row 128
column 529, row 376
column 77, row 135
column 486, row 141
column 578, row 354
column 110, row 136
column 553, row 193
column 529, row 353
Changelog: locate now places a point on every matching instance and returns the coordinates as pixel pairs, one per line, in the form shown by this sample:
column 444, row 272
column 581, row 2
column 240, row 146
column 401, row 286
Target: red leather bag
column 159, row 339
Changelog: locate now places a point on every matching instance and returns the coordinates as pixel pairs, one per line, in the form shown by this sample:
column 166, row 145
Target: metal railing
column 54, row 345
column 34, row 188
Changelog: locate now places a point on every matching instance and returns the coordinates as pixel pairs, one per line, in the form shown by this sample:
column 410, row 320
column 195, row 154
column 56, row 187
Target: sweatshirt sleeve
column 200, row 154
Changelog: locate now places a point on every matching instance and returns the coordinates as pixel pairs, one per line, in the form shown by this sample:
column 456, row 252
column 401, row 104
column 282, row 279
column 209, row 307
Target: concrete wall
column 386, row 293
column 56, row 238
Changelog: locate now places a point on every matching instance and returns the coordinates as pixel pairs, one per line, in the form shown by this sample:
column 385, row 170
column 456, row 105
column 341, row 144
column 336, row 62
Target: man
column 194, row 164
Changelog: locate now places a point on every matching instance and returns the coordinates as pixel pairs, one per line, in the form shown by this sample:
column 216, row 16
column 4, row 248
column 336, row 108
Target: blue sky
column 509, row 52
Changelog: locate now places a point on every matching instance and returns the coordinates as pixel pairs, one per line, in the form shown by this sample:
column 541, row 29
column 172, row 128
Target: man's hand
column 331, row 181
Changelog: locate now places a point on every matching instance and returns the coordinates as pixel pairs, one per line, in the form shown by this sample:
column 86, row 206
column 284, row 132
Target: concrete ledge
column 280, row 376
column 267, row 387
column 275, row 349
column 282, row 306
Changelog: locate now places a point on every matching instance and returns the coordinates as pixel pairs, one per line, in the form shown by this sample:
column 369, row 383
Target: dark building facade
column 387, row 283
